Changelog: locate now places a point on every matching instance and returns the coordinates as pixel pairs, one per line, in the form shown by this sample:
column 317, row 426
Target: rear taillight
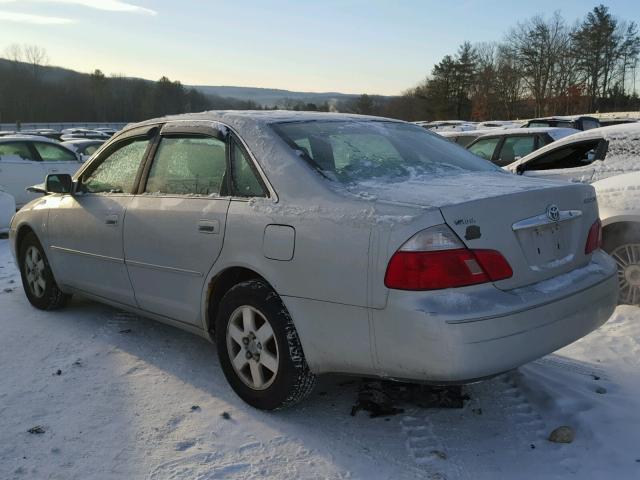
column 594, row 239
column 435, row 258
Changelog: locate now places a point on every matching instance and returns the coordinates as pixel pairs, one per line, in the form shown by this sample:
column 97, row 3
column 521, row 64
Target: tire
column 37, row 278
column 624, row 246
column 251, row 313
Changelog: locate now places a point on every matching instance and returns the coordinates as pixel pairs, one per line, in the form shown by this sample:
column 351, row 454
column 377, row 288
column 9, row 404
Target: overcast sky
column 351, row 46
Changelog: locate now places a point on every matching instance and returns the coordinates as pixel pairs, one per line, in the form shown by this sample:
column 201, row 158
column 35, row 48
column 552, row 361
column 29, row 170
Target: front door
column 174, row 228
column 86, row 229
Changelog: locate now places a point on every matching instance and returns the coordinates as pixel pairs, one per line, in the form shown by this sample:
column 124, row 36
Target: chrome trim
column 163, row 268
column 542, row 220
column 87, row 254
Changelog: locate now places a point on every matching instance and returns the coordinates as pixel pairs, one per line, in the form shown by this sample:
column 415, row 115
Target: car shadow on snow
column 504, row 423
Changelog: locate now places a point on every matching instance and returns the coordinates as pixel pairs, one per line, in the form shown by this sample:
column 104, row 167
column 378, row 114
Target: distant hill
column 272, row 96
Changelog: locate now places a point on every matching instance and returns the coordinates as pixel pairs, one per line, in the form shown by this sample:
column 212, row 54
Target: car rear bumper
column 461, row 335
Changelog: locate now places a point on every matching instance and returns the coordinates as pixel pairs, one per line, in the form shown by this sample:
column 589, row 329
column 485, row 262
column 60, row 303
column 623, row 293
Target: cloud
column 33, row 19
column 107, row 5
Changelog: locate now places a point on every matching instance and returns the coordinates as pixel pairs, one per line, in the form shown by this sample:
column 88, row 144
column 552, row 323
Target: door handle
column 209, row 226
column 111, row 220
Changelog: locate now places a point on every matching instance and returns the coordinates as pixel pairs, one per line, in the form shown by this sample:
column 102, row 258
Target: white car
column 586, row 156
column 619, row 202
column 84, row 147
column 7, row 210
column 27, row 160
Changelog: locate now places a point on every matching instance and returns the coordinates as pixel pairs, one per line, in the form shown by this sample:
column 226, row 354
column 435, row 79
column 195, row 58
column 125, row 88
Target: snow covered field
column 122, row 397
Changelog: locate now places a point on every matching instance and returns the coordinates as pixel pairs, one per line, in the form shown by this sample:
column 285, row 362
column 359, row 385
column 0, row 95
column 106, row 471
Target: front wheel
column 37, row 278
column 259, row 348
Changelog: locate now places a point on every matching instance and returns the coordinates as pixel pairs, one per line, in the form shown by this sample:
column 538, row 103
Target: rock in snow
column 562, row 434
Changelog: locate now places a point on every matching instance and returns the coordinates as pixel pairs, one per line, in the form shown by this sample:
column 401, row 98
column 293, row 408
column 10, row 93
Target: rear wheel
column 259, row 348
column 37, row 278
column 627, row 257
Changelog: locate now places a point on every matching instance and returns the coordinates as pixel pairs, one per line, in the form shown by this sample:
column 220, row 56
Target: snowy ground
column 121, row 407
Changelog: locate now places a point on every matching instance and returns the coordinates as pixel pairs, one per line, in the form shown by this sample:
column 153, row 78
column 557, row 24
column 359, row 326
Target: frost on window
column 117, row 173
column 188, row 166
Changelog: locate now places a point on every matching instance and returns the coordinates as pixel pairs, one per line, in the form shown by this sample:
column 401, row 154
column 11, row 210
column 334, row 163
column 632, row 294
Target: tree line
column 543, row 66
column 31, row 91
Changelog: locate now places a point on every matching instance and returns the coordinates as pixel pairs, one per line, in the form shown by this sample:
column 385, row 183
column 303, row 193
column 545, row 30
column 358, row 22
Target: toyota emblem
column 553, row 213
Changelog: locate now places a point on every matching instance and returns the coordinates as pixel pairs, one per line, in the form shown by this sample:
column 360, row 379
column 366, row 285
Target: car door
column 20, row 168
column 86, row 228
column 574, row 162
column 175, row 226
column 57, row 159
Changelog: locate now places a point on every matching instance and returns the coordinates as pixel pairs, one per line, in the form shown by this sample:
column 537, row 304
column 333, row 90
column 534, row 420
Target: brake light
column 435, row 258
column 594, row 239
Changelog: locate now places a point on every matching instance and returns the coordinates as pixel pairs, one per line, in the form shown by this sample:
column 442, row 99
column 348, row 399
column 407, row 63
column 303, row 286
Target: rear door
column 174, row 227
column 20, row 168
column 515, row 147
column 485, row 147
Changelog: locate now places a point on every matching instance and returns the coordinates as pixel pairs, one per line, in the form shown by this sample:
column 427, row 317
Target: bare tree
column 37, row 58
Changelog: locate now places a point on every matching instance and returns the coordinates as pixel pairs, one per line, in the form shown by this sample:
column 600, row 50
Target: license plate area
column 546, row 246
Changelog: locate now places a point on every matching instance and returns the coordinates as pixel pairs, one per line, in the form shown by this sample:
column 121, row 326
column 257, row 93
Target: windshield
column 355, row 151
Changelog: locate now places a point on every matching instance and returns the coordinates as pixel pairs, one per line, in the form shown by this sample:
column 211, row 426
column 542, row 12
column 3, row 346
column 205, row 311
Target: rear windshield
column 355, row 151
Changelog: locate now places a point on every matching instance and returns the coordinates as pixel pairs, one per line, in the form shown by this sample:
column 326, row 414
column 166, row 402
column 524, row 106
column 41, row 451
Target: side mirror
column 59, row 183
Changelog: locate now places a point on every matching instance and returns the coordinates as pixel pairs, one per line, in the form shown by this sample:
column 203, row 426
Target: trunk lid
column 540, row 230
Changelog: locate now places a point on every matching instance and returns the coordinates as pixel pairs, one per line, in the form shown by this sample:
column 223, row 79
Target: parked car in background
column 106, row 130
column 463, row 138
column 502, row 147
column 448, row 125
column 619, row 203
column 586, row 156
column 7, row 209
column 608, row 121
column 579, row 122
column 499, row 124
column 26, row 160
column 307, row 243
column 84, row 147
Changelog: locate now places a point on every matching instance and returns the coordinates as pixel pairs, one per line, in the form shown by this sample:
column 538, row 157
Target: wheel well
column 220, row 285
column 616, row 233
column 23, row 231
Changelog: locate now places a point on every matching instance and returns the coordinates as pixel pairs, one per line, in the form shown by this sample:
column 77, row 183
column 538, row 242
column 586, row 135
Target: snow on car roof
column 555, row 132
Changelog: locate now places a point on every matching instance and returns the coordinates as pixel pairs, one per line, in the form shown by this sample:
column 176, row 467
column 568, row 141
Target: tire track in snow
column 498, row 428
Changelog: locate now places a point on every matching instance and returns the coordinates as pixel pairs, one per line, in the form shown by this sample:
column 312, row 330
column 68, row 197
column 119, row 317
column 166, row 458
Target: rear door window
column 53, row 153
column 188, row 165
column 514, row 148
column 485, row 147
column 244, row 177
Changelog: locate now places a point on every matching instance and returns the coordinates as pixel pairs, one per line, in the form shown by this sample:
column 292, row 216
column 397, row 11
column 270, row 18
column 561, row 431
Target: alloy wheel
column 34, row 268
column 627, row 258
column 252, row 348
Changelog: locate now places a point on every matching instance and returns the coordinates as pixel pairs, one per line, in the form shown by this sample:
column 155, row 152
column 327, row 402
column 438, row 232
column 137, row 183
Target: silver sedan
column 308, row 243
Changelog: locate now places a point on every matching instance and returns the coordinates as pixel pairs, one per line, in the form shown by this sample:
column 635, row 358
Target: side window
column 117, row 172
column 570, row 156
column 244, row 179
column 15, row 149
column 188, row 166
column 588, row 124
column 514, row 147
column 91, row 149
column 53, row 153
column 485, row 147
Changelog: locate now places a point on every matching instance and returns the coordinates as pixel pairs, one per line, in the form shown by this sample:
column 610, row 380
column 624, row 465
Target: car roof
column 569, row 118
column 508, row 132
column 82, row 140
column 27, row 138
column 467, row 133
column 610, row 132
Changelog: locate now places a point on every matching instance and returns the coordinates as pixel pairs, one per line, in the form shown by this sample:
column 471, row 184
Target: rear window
column 355, row 151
